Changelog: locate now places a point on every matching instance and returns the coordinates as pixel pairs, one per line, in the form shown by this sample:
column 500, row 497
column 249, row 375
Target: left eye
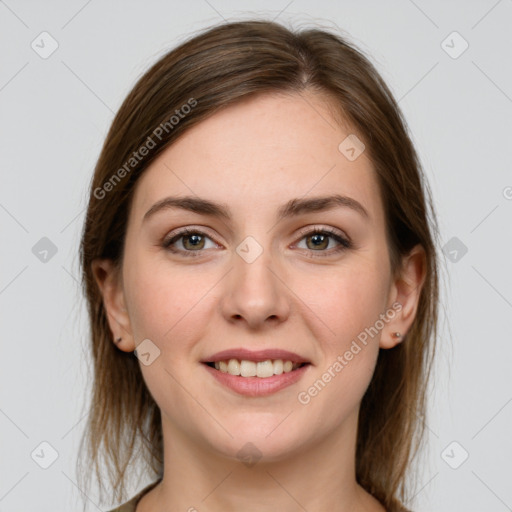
column 319, row 241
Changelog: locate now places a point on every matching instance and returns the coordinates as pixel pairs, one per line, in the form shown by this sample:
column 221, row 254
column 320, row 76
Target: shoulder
column 396, row 506
column 131, row 505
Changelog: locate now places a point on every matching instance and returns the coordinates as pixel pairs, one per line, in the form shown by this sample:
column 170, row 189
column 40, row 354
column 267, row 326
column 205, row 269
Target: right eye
column 191, row 240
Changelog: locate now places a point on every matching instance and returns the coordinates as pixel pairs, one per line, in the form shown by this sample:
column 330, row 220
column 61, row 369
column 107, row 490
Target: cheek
column 349, row 301
column 160, row 299
column 340, row 389
column 164, row 306
column 346, row 300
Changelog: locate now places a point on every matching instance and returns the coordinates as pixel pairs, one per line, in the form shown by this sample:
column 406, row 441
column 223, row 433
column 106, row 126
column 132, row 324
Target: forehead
column 258, row 154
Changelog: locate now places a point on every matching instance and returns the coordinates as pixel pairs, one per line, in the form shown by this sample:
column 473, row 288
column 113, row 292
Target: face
column 308, row 281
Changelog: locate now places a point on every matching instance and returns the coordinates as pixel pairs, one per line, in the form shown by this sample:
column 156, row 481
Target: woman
column 261, row 274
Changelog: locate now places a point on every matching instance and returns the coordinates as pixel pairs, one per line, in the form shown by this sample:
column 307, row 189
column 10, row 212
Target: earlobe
column 390, row 339
column 107, row 277
column 406, row 291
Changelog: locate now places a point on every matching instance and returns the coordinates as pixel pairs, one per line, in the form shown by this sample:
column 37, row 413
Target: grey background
column 55, row 113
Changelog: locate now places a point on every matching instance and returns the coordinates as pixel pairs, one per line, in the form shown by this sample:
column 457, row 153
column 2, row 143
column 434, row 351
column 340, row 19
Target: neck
column 315, row 477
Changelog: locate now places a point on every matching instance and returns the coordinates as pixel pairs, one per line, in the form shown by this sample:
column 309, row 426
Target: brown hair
column 223, row 65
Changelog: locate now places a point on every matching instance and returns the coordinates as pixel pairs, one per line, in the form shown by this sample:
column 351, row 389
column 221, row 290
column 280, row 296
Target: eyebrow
column 292, row 208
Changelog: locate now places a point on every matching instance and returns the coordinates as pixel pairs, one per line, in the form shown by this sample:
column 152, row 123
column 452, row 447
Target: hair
column 221, row 66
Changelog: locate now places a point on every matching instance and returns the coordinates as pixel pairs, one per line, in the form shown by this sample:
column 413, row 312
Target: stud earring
column 118, row 340
column 397, row 334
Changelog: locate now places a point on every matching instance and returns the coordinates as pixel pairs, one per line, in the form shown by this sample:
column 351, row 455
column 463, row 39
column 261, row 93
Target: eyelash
column 344, row 243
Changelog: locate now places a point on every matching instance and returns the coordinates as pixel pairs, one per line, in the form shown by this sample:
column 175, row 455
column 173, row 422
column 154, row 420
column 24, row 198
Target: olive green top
column 130, row 506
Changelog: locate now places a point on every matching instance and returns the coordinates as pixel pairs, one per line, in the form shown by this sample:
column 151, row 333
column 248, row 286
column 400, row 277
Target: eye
column 191, row 241
column 319, row 239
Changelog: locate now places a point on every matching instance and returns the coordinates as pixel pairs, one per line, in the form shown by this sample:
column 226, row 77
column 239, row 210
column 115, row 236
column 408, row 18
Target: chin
column 261, row 442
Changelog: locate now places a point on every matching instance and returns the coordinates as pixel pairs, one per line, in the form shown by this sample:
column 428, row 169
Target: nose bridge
column 255, row 292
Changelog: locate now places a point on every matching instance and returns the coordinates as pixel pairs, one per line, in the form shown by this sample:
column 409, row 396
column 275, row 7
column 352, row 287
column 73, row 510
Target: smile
column 253, row 385
column 260, row 369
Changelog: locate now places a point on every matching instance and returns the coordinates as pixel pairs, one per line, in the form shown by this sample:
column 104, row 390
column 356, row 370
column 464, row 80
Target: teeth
column 247, row 369
column 260, row 369
column 265, row 369
column 278, row 367
column 233, row 367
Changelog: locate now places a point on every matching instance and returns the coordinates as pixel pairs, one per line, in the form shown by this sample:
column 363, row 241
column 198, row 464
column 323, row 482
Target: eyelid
column 179, row 232
column 326, row 229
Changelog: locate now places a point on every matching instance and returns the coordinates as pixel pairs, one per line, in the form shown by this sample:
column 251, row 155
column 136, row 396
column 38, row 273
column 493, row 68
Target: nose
column 255, row 293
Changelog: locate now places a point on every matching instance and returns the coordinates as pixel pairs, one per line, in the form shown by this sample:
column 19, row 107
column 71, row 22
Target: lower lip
column 258, row 386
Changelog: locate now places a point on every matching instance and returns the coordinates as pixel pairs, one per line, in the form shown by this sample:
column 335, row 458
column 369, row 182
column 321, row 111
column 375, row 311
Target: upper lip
column 255, row 355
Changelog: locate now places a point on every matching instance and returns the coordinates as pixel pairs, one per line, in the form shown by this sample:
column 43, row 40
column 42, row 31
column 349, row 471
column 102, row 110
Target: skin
column 254, row 157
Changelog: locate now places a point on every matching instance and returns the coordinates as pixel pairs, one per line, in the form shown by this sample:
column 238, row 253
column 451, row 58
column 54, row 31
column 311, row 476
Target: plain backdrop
column 65, row 69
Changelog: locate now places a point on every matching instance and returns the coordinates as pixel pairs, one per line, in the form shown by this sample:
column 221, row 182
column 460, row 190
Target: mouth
column 261, row 369
column 256, row 373
column 256, row 378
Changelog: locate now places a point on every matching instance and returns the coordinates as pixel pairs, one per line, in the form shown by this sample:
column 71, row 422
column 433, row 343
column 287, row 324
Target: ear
column 405, row 291
column 109, row 280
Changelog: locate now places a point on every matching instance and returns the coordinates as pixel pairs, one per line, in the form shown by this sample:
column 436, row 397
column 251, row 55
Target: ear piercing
column 118, row 340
